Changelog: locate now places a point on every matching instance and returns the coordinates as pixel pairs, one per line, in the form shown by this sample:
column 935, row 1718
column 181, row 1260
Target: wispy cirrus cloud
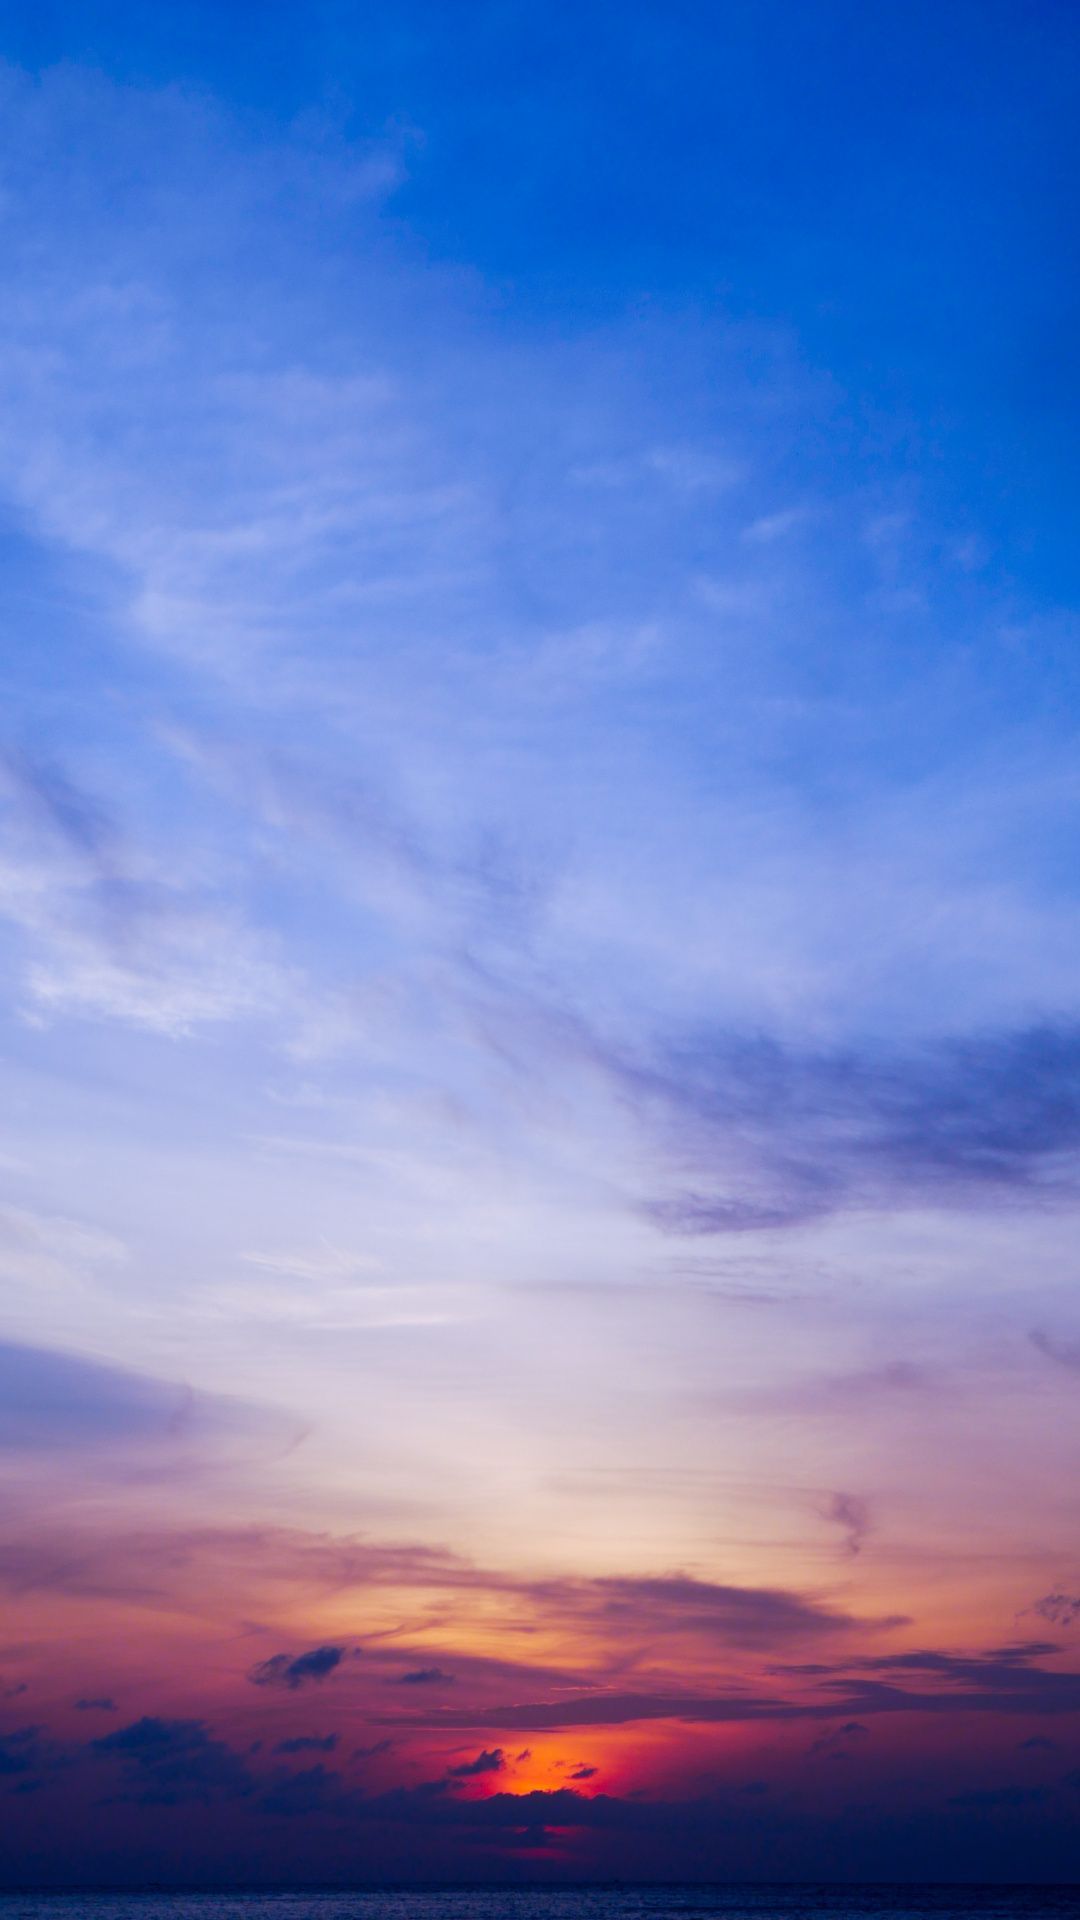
column 600, row 1611
column 969, row 1122
column 112, row 928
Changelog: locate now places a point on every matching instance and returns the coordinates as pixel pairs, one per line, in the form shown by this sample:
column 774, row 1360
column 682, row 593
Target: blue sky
column 538, row 899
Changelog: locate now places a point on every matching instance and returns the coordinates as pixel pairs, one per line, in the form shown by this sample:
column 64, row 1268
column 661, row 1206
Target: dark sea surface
column 810, row 1902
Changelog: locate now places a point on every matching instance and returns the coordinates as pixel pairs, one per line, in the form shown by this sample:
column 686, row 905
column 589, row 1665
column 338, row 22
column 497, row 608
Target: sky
column 539, row 904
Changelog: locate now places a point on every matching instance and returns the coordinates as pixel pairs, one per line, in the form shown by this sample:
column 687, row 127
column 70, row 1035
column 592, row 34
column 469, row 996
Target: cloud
column 1013, row 1664
column 151, row 1564
column 1065, row 1353
column 114, row 929
column 770, row 527
column 54, row 1259
column 308, row 1743
column 1060, row 1609
column 584, row 1773
column 837, row 1739
column 18, row 1751
column 75, row 817
column 103, row 1705
column 989, row 1799
column 150, row 1735
column 803, row 1134
column 172, row 1762
column 351, row 715
column 57, row 1400
column 296, row 1670
column 313, row 1790
column 678, row 1604
column 184, row 1566
column 559, row 1807
column 692, row 1214
column 853, row 1516
column 602, row 1709
column 1003, row 1680
column 62, row 1402
column 488, row 1761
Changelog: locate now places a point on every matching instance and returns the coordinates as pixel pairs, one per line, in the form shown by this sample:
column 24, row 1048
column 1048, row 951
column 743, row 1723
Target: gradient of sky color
column 539, row 918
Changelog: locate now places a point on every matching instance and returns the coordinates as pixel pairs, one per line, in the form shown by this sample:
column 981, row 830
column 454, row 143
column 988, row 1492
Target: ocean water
column 568, row 1903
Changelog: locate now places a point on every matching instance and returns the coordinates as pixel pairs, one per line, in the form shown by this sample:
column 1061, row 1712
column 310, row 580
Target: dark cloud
column 318, row 1793
column 492, row 1761
column 1000, row 1680
column 1038, row 1743
column 838, row 1739
column 852, row 1515
column 95, row 1706
column 180, row 1567
column 992, row 1798
column 801, row 1134
column 1059, row 1609
column 296, row 1670
column 970, row 1668
column 741, row 1616
column 17, row 1750
column 558, row 1807
column 1012, row 1662
column 425, row 1677
column 149, row 1733
column 600, row 1709
column 313, row 1790
column 308, row 1743
column 369, row 1753
column 170, row 1762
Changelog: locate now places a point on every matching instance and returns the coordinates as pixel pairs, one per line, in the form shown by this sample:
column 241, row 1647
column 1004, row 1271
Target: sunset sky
column 540, row 939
